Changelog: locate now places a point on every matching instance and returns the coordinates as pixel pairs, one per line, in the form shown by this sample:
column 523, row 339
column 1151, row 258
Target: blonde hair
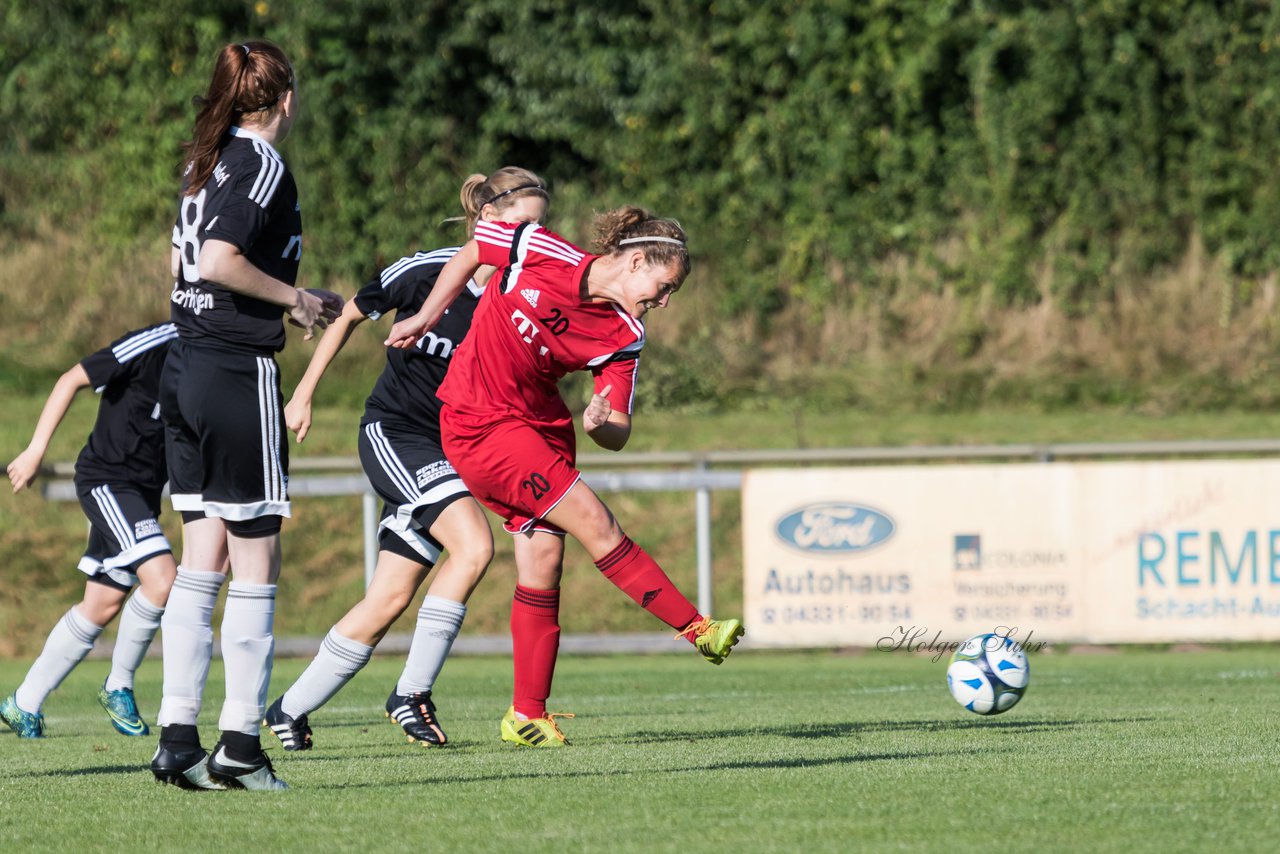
column 501, row 189
column 632, row 224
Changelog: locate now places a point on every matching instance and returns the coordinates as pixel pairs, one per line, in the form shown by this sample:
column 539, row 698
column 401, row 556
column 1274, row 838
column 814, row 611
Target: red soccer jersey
column 535, row 324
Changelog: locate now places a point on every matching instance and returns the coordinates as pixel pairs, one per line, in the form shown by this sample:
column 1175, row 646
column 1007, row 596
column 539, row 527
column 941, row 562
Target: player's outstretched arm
column 24, row 467
column 297, row 413
column 452, row 279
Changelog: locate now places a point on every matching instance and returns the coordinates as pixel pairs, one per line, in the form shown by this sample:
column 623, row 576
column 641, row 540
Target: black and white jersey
column 127, row 442
column 251, row 202
column 405, row 394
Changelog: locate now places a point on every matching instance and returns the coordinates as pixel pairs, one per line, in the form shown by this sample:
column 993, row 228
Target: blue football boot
column 25, row 724
column 123, row 710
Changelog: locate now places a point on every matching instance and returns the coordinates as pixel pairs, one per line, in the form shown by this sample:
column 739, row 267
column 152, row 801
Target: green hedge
column 801, row 143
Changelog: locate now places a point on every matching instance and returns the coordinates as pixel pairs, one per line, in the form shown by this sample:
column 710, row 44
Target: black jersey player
column 237, row 243
column 119, row 477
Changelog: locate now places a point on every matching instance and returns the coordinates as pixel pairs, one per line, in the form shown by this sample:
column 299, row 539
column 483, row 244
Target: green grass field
column 1138, row 750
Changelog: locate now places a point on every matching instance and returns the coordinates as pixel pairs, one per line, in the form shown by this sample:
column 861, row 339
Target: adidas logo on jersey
column 220, row 174
column 530, row 296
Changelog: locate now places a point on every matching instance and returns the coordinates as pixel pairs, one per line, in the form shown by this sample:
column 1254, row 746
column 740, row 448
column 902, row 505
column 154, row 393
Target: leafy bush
column 1015, row 152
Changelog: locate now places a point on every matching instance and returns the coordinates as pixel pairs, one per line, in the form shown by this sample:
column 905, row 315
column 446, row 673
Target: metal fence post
column 370, row 503
column 703, row 515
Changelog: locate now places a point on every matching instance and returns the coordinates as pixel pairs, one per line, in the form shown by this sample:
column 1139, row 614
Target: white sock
column 187, row 643
column 68, row 644
column 247, row 655
column 339, row 659
column 138, row 625
column 438, row 623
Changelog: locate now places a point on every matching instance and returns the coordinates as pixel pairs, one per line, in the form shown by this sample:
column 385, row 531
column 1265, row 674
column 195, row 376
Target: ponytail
column 247, row 78
column 501, row 189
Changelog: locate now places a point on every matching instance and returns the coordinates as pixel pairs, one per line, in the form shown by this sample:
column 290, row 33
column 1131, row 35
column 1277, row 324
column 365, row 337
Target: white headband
column 654, row 239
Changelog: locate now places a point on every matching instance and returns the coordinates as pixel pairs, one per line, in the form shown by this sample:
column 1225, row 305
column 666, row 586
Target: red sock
column 639, row 576
column 535, row 640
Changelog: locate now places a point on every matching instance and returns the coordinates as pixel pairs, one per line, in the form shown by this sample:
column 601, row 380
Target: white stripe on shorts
column 244, row 512
column 91, row 567
column 391, row 464
column 402, row 523
column 142, row 549
column 183, row 501
column 114, row 516
column 269, row 420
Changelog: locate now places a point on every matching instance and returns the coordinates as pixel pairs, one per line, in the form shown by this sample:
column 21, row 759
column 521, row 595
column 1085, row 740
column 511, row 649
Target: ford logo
column 835, row 528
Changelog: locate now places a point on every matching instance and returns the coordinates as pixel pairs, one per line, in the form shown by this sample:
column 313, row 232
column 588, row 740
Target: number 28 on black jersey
column 251, row 202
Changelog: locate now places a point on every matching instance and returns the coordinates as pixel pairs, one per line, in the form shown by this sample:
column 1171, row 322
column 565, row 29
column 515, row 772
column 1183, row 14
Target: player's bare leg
column 463, row 531
column 627, row 565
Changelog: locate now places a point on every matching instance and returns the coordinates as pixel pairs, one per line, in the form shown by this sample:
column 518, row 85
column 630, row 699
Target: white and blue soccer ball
column 988, row 674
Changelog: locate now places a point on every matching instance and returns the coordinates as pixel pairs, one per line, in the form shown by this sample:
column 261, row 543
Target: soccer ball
column 988, row 674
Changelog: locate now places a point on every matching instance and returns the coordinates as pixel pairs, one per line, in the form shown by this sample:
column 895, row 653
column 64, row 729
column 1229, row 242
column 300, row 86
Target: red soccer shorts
column 517, row 469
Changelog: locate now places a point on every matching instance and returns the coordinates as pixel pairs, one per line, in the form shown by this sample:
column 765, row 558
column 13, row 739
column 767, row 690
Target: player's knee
column 598, row 527
column 541, row 568
column 101, row 613
column 539, row 576
column 390, row 604
column 155, row 593
column 156, row 577
column 473, row 558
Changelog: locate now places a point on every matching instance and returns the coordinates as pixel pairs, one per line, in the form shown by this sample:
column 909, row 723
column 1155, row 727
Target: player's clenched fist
column 598, row 410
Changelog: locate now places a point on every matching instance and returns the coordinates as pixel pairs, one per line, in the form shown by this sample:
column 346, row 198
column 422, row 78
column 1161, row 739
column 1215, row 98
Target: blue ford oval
column 835, row 528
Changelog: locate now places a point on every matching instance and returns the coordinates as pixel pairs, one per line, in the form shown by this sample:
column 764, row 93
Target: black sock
column 180, row 736
column 241, row 747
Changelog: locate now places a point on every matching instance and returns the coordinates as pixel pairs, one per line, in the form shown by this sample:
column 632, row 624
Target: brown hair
column 628, row 223
column 247, row 78
column 501, row 189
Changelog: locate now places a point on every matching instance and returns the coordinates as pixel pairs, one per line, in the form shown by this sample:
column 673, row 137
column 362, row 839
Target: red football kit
column 504, row 425
column 510, row 436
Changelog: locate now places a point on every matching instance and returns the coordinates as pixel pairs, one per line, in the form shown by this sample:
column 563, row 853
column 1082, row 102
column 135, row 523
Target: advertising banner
column 1087, row 552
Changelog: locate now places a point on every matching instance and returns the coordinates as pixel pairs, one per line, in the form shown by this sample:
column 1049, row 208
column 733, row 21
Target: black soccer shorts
column 225, row 435
column 123, row 532
column 410, row 474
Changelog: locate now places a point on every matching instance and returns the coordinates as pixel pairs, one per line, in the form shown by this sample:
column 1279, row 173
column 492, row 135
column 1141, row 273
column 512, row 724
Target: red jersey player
column 552, row 308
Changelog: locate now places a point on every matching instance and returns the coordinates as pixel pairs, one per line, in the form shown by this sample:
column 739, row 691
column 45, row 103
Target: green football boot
column 715, row 639
column 535, row 732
